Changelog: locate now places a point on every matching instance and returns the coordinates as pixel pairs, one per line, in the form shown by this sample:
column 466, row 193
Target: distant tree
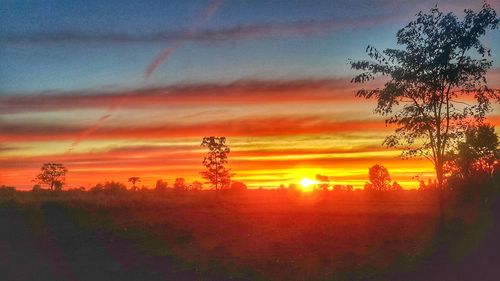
column 180, row 184
column 109, row 187
column 323, row 182
column 430, row 81
column 216, row 174
column 36, row 188
column 396, row 186
column 293, row 186
column 476, row 155
column 161, row 185
column 421, row 185
column 238, row 186
column 52, row 174
column 379, row 177
column 281, row 187
column 349, row 188
column 368, row 186
column 7, row 190
column 195, row 185
column 134, row 180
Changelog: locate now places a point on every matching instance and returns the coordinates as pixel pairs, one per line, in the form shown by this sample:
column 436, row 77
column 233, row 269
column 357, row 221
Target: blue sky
column 37, row 55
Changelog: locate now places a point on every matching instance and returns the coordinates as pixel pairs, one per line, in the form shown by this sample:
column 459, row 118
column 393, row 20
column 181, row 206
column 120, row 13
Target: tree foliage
column 216, row 173
column 53, row 175
column 379, row 178
column 443, row 61
column 476, row 155
column 134, row 180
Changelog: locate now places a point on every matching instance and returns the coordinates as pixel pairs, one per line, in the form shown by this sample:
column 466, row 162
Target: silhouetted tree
column 238, row 186
column 428, row 80
column 216, row 174
column 323, row 182
column 396, row 186
column 52, row 174
column 195, row 185
column 134, row 180
column 160, row 185
column 180, row 184
column 379, row 177
column 110, row 187
column 476, row 155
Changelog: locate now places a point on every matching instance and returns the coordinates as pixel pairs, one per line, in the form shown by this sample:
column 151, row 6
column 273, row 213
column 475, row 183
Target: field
column 251, row 235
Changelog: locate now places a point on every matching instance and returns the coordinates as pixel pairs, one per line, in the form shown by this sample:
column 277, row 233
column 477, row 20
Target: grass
column 252, row 235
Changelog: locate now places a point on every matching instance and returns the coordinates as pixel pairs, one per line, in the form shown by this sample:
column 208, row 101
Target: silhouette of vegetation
column 429, row 79
column 161, row 185
column 218, row 176
column 109, row 187
column 238, row 186
column 180, row 184
column 7, row 190
column 323, row 182
column 195, row 185
column 396, row 186
column 134, row 180
column 475, row 157
column 53, row 175
column 379, row 177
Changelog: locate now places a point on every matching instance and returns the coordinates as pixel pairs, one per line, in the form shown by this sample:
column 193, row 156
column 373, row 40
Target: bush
column 7, row 190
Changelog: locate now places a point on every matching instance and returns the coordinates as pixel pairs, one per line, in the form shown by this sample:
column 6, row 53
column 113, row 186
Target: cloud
column 238, row 92
column 238, row 32
column 263, row 126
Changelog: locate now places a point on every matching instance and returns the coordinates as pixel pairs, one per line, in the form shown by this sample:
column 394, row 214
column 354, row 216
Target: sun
column 307, row 183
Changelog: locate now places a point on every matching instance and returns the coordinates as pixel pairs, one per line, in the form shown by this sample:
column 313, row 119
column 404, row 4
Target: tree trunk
column 440, row 177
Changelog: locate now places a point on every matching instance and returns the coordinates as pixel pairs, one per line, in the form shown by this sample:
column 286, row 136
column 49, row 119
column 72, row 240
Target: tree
column 216, row 174
column 323, row 182
column 52, row 174
column 161, row 185
column 428, row 80
column 379, row 177
column 396, row 186
column 476, row 155
column 134, row 180
column 180, row 184
column 196, row 185
column 238, row 186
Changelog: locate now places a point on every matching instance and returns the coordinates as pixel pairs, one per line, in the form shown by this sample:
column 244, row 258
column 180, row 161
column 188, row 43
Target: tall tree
column 216, row 174
column 52, row 174
column 134, row 180
column 430, row 82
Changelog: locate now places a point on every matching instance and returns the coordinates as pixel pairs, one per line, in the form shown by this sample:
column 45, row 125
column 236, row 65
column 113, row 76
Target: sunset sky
column 114, row 89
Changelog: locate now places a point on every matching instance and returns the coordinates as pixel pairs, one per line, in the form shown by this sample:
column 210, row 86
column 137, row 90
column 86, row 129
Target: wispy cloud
column 238, row 92
column 261, row 126
column 238, row 32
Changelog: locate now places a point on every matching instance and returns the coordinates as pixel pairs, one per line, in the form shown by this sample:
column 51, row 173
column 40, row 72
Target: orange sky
column 278, row 131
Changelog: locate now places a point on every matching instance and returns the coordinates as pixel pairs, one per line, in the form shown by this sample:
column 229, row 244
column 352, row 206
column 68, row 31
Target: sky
column 114, row 89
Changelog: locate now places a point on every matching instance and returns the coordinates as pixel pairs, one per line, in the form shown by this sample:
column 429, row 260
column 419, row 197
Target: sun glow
column 307, row 183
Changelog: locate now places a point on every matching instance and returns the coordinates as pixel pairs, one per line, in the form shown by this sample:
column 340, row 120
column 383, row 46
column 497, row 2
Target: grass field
column 204, row 235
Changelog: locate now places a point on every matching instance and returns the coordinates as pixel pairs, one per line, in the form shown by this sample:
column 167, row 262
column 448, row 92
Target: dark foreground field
column 252, row 235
